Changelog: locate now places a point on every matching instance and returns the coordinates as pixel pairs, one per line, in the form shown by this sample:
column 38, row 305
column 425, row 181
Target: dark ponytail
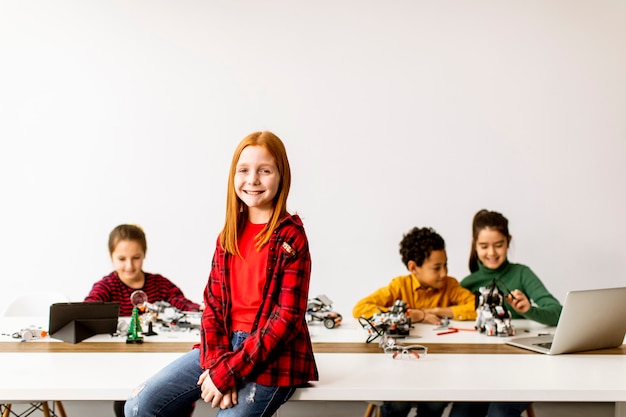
column 482, row 220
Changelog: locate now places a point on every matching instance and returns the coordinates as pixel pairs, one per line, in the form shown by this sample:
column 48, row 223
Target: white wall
column 394, row 114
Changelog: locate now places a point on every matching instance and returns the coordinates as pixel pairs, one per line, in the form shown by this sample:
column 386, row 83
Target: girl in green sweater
column 529, row 298
column 488, row 260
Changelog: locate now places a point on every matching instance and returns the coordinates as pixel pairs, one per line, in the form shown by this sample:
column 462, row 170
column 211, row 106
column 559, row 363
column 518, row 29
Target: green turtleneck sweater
column 544, row 308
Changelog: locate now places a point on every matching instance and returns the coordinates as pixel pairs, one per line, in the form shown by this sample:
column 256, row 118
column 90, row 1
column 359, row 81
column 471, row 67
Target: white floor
column 341, row 409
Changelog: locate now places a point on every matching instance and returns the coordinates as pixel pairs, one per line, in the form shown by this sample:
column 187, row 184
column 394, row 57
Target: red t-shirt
column 247, row 279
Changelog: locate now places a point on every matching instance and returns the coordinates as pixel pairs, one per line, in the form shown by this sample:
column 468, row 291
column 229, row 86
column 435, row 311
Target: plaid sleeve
column 214, row 335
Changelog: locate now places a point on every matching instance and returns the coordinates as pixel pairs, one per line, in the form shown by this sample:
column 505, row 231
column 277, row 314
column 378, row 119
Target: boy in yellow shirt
column 429, row 292
column 430, row 295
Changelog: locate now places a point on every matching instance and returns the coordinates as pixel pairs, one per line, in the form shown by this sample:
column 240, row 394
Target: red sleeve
column 177, row 299
column 100, row 291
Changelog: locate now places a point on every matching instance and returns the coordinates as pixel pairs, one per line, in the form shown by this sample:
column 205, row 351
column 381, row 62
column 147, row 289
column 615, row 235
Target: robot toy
column 320, row 308
column 170, row 317
column 396, row 322
column 492, row 317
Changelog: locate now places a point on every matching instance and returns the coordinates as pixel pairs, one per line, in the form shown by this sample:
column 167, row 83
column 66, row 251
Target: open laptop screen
column 590, row 320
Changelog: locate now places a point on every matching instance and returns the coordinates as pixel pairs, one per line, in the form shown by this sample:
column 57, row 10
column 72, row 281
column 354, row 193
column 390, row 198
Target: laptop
column 75, row 322
column 590, row 320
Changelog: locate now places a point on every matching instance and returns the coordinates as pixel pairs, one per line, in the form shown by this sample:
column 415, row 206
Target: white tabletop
column 469, row 377
column 350, row 331
column 344, row 376
column 11, row 325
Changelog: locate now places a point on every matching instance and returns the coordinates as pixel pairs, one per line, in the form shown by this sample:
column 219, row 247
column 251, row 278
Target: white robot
column 492, row 317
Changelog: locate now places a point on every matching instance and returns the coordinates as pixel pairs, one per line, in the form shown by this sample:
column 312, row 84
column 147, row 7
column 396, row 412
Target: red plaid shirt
column 278, row 351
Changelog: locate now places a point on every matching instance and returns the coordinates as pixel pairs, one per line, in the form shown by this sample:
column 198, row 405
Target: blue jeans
column 495, row 409
column 173, row 391
column 402, row 408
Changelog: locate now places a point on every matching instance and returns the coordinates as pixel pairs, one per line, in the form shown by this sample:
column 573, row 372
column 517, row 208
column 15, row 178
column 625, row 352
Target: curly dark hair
column 418, row 244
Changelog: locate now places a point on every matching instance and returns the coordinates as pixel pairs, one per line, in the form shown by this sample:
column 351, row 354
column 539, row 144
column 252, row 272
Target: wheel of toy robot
column 329, row 323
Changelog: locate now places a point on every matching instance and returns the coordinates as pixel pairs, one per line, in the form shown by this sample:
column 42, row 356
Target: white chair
column 33, row 304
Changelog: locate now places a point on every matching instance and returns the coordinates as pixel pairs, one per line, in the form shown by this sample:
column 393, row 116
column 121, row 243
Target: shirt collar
column 417, row 285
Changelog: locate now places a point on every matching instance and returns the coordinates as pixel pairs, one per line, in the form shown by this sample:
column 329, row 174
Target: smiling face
column 433, row 271
column 127, row 258
column 491, row 247
column 256, row 182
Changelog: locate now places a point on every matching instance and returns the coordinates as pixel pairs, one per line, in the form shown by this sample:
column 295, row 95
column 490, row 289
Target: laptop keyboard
column 546, row 345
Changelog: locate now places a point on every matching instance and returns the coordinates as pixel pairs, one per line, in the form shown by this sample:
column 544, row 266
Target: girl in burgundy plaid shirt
column 127, row 248
column 254, row 348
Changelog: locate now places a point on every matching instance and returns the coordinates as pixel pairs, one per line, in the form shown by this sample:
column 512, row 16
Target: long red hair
column 237, row 211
